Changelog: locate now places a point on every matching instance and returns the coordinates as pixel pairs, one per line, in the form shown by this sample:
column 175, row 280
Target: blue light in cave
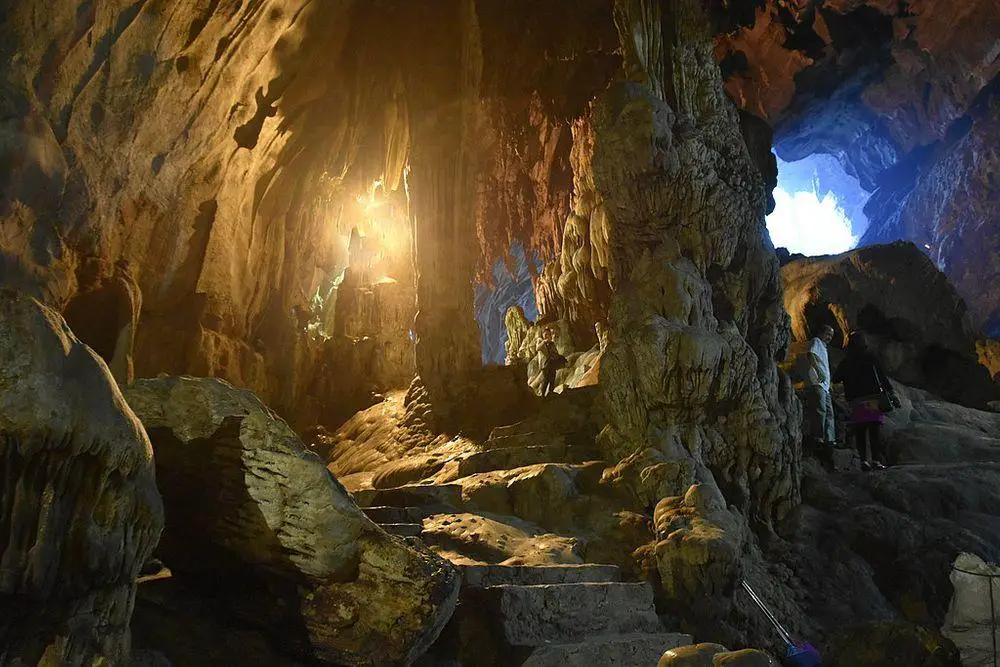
column 493, row 301
column 819, row 208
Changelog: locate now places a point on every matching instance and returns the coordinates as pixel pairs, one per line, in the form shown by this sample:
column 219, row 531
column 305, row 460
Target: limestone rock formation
column 699, row 549
column 79, row 509
column 105, row 315
column 989, row 355
column 250, row 509
column 916, row 320
column 509, row 287
column 904, row 96
column 950, row 209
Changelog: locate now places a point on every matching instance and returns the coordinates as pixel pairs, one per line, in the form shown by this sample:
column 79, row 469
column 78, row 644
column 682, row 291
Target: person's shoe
column 878, row 465
column 866, row 465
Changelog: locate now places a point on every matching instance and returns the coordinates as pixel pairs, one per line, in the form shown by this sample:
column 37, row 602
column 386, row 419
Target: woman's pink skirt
column 865, row 411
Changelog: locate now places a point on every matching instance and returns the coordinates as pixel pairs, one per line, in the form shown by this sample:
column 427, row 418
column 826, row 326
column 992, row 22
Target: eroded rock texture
column 220, row 149
column 904, row 95
column 913, row 315
column 689, row 368
column 255, row 518
column 79, row 509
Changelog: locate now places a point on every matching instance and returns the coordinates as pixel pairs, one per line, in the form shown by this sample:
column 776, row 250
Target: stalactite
column 639, row 24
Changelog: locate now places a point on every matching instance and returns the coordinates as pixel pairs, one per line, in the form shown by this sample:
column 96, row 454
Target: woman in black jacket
column 864, row 383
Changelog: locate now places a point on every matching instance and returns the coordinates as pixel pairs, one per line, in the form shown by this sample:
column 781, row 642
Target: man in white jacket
column 819, row 404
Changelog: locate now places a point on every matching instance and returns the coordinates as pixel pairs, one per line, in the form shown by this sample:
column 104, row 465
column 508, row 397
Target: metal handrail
column 785, row 636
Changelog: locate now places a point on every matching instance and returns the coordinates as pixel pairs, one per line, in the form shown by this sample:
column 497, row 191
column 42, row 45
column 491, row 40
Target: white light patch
column 805, row 224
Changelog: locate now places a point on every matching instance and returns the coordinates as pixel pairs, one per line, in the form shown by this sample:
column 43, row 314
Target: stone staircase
column 534, row 616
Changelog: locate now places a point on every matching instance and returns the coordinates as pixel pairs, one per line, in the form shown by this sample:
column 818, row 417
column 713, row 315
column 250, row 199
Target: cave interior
column 282, row 283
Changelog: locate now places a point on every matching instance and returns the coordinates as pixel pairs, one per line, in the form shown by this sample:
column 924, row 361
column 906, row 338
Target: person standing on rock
column 819, row 404
column 552, row 361
column 865, row 385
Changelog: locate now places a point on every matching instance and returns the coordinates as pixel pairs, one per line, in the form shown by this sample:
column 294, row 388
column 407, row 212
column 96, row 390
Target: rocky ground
column 863, row 547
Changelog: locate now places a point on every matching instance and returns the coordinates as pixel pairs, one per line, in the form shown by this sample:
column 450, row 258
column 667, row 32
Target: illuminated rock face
column 694, row 328
column 251, row 510
column 79, row 509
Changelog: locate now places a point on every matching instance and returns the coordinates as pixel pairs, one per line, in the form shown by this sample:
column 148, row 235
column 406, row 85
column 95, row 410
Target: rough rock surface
column 509, row 286
column 876, row 644
column 904, row 95
column 250, row 509
column 916, row 321
column 79, row 509
column 878, row 547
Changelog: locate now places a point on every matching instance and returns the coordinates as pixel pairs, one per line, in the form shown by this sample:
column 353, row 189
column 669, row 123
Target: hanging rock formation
column 79, row 509
column 253, row 516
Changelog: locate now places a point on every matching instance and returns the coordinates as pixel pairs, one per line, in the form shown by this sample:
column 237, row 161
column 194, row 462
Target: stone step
column 533, row 575
column 507, row 458
column 568, row 613
column 626, row 650
column 402, row 529
column 386, row 514
column 413, row 495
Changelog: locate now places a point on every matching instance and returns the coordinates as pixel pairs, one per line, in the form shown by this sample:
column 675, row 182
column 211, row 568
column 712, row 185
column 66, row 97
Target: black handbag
column 887, row 400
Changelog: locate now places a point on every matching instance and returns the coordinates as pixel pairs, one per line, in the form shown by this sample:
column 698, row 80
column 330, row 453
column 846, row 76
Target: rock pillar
column 695, row 321
column 444, row 107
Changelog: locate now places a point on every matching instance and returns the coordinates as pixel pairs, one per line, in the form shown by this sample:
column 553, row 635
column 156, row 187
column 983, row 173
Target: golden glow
column 382, row 224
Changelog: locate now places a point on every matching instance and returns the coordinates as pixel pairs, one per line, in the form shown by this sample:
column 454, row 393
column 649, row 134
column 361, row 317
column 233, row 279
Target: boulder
column 79, row 510
column 257, row 518
column 915, row 319
column 927, row 429
column 889, row 643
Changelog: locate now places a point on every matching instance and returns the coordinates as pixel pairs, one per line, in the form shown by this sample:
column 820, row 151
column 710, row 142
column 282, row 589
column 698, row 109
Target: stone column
column 444, row 95
column 688, row 378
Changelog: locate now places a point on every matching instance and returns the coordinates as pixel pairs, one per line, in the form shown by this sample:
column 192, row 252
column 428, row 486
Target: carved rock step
column 508, row 458
column 414, row 495
column 385, row 514
column 569, row 613
column 402, row 529
column 483, row 576
column 631, row 650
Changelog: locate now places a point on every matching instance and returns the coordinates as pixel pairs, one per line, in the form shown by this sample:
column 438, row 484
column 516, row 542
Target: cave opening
column 819, row 207
column 510, row 285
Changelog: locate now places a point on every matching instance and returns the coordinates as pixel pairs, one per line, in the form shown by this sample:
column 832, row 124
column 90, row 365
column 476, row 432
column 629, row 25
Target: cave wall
column 174, row 136
column 900, row 94
column 214, row 146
